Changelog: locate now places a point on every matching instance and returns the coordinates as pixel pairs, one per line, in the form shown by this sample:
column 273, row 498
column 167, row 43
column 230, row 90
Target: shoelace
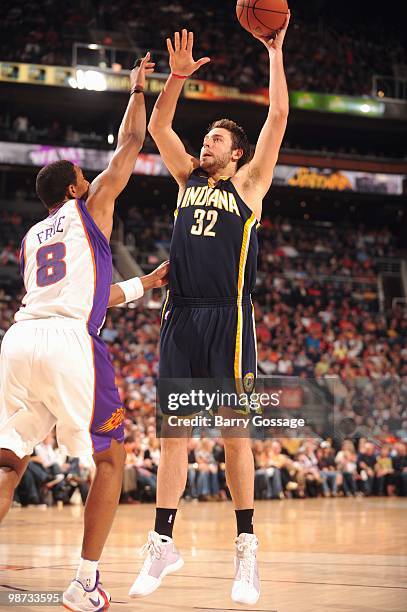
column 246, row 557
column 153, row 547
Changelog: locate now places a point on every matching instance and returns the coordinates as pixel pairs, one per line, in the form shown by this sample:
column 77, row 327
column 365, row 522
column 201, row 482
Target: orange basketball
column 262, row 17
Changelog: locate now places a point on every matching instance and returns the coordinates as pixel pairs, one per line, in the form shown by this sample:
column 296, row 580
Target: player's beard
column 213, row 165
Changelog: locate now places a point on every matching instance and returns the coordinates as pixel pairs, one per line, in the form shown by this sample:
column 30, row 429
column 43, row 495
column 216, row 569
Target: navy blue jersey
column 214, row 243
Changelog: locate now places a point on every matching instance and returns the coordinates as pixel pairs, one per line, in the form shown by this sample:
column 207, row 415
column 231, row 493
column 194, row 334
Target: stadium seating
column 319, row 56
column 317, row 314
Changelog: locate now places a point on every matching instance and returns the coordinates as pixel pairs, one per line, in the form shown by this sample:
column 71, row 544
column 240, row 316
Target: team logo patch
column 112, row 422
column 248, row 382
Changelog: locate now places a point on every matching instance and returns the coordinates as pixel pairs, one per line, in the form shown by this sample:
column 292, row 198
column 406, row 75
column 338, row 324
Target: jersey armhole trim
column 92, row 255
column 84, row 209
column 244, row 203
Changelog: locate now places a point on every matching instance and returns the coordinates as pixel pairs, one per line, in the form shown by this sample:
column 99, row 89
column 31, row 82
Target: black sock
column 244, row 520
column 164, row 521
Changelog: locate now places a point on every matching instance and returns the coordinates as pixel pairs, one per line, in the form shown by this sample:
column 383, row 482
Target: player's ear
column 72, row 191
column 237, row 154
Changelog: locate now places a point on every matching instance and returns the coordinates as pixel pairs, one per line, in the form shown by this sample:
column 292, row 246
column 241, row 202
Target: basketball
column 262, row 17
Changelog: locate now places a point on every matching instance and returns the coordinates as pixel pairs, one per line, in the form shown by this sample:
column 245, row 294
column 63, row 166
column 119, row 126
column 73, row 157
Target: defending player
column 54, row 368
column 208, row 327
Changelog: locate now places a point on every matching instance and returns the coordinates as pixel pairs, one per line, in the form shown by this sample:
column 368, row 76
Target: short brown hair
column 239, row 138
column 53, row 181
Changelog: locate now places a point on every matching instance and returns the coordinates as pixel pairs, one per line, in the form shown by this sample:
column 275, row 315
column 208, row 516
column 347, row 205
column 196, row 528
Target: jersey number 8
column 51, row 267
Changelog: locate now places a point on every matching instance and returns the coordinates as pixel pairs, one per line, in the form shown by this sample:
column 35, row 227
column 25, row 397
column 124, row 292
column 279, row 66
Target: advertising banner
column 91, row 78
column 150, row 164
column 17, row 153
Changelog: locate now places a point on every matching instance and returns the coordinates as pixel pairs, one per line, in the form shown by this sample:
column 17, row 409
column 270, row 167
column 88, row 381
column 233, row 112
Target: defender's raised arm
column 111, row 182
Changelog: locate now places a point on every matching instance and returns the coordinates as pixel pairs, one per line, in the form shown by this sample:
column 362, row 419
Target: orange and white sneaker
column 162, row 559
column 246, row 585
column 79, row 599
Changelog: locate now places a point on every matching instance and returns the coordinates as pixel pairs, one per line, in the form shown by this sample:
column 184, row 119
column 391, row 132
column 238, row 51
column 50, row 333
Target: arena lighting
column 92, row 80
column 93, row 47
column 365, row 108
column 110, row 139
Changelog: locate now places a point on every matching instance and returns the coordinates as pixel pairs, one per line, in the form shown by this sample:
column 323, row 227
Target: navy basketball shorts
column 212, row 339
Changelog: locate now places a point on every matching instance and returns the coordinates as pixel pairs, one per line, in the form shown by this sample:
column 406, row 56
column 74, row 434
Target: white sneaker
column 246, row 585
column 162, row 559
column 79, row 599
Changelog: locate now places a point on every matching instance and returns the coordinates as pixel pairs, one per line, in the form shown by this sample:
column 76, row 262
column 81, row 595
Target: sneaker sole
column 168, row 570
column 252, row 602
column 105, row 606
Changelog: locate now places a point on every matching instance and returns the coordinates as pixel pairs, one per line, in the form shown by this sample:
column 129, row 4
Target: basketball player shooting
column 208, row 325
column 54, row 368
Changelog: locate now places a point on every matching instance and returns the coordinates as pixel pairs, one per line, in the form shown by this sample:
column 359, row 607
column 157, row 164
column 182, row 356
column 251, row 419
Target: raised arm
column 171, row 148
column 261, row 167
column 110, row 183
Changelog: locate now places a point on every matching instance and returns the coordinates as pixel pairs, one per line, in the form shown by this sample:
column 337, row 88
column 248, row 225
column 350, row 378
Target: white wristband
column 133, row 289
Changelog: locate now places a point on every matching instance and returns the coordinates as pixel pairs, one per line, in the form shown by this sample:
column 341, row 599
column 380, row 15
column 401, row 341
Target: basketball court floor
column 316, row 555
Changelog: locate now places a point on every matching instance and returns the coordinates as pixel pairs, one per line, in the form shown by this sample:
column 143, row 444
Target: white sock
column 86, row 573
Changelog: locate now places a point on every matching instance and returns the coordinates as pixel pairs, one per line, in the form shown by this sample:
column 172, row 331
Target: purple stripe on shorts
column 108, row 413
column 102, row 257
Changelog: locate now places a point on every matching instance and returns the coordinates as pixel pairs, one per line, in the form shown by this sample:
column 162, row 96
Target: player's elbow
column 152, row 128
column 155, row 128
column 279, row 115
column 132, row 138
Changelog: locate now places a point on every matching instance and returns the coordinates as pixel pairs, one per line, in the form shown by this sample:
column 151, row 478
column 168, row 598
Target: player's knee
column 12, row 465
column 9, row 472
column 111, row 459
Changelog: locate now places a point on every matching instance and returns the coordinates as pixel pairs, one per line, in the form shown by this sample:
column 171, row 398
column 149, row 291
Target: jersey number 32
column 210, row 216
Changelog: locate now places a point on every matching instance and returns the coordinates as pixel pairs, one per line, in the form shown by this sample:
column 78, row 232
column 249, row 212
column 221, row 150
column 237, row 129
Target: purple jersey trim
column 22, row 258
column 102, row 262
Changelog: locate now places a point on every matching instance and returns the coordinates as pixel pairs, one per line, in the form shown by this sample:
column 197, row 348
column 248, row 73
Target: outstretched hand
column 275, row 43
column 156, row 278
column 181, row 61
column 138, row 74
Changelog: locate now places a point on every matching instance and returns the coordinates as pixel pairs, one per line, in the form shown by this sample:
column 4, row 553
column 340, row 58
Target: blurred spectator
column 384, row 472
column 346, row 462
column 308, row 461
column 329, row 475
column 399, row 461
column 366, row 462
column 207, row 480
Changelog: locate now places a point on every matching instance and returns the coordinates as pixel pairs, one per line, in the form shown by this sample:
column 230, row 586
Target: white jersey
column 66, row 264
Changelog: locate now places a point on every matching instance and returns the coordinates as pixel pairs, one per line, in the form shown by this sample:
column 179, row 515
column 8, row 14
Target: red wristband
column 137, row 89
column 179, row 76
